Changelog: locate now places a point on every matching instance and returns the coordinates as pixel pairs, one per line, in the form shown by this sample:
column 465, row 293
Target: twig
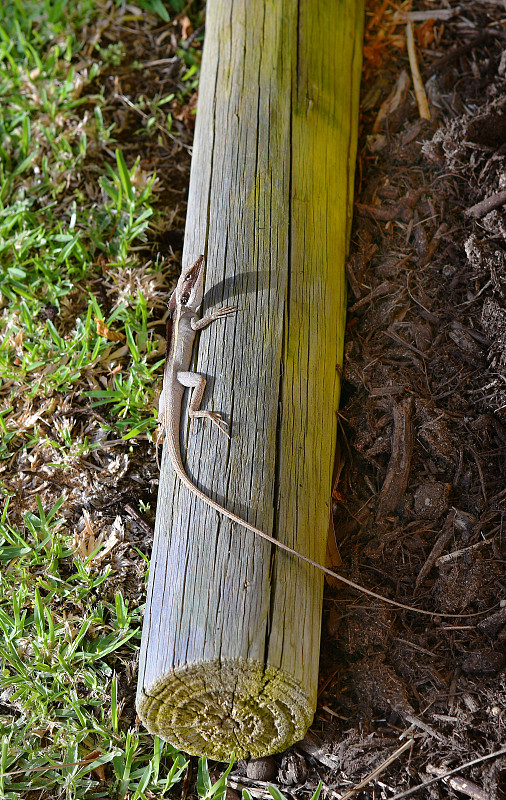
column 383, row 288
column 186, row 44
column 484, row 206
column 146, row 527
column 401, row 341
column 126, row 100
column 421, row 97
column 432, row 317
column 475, row 761
column 417, row 723
column 457, row 553
column 480, row 473
column 378, row 770
column 436, row 551
column 460, row 784
column 433, row 13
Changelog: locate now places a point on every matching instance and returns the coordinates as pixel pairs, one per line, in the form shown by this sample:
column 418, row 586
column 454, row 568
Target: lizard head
column 190, row 287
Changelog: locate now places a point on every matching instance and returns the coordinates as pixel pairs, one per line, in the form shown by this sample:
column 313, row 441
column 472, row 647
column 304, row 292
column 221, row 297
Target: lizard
column 183, row 323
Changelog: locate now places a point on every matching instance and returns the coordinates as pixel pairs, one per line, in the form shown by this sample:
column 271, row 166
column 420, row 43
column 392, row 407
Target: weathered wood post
column 229, row 658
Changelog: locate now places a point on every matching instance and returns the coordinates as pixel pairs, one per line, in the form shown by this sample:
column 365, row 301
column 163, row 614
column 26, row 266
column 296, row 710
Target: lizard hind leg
column 216, row 418
column 197, row 382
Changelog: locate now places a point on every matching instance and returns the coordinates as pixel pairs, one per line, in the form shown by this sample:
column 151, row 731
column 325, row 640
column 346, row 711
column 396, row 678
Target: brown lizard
column 182, row 326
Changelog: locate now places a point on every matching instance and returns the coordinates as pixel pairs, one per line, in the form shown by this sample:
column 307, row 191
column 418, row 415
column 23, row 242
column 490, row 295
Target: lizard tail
column 186, row 480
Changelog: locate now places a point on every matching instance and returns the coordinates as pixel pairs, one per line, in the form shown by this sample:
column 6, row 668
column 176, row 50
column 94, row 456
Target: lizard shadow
column 243, row 283
column 225, row 292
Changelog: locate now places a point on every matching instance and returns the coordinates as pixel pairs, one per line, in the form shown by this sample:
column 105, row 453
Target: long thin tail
column 186, row 480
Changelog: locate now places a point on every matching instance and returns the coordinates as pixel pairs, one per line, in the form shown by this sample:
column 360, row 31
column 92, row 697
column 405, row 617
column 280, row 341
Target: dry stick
column 436, row 551
column 139, row 519
column 421, row 97
column 383, row 288
column 401, row 341
column 375, row 773
column 457, row 553
column 475, row 761
column 480, row 473
column 441, row 14
column 460, row 784
column 417, row 723
column 484, row 206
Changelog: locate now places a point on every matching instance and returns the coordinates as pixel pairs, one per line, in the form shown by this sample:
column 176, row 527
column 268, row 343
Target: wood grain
column 229, row 657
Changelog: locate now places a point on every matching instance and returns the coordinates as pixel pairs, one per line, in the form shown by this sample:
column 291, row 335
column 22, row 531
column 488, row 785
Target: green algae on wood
column 229, row 656
column 259, row 708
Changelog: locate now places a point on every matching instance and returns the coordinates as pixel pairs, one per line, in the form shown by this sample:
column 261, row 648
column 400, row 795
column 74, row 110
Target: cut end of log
column 218, row 708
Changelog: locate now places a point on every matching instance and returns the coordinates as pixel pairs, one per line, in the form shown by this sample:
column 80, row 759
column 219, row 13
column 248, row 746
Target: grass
column 59, row 634
column 54, row 244
column 76, row 335
column 82, row 287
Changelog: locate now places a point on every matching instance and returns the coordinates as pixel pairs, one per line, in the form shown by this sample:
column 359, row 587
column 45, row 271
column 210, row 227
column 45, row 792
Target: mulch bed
column 420, row 500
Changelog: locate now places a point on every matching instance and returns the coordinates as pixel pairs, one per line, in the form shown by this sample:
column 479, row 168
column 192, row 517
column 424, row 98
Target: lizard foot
column 215, row 418
column 222, row 312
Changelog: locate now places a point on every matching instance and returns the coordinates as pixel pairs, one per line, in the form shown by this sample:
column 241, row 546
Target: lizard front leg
column 198, row 324
column 197, row 382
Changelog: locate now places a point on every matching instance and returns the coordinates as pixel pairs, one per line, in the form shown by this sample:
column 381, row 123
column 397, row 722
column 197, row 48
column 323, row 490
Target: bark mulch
column 420, row 498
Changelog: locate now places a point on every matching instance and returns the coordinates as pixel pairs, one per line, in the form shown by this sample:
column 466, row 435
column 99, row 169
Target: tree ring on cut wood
column 223, row 707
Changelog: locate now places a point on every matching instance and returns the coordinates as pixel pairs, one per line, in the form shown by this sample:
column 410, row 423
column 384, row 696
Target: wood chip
column 460, row 784
column 399, row 466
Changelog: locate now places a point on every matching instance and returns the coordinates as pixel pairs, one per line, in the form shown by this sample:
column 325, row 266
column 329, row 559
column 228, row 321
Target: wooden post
column 229, row 657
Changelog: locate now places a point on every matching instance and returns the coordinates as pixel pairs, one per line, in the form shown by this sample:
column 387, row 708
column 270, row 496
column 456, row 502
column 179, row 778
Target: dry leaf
column 425, row 33
column 186, row 113
column 396, row 97
column 140, row 178
column 98, row 772
column 186, row 28
column 104, row 331
column 86, row 541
